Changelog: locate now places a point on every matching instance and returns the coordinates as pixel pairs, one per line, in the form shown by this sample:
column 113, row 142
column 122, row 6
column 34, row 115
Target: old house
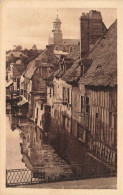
column 13, row 56
column 91, row 104
column 14, row 71
column 35, row 77
column 98, row 88
column 60, row 90
column 72, row 77
column 59, row 94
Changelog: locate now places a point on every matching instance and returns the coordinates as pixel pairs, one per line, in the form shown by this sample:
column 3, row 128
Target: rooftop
column 31, row 68
column 75, row 54
column 103, row 71
column 70, row 41
column 103, row 61
column 73, row 73
column 57, row 20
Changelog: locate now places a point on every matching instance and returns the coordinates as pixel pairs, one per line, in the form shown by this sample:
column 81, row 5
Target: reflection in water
column 13, row 151
column 58, row 154
column 37, row 153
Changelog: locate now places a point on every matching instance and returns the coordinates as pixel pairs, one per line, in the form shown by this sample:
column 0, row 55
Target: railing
column 16, row 177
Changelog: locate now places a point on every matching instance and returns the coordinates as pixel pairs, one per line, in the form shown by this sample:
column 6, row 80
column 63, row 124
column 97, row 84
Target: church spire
column 56, row 35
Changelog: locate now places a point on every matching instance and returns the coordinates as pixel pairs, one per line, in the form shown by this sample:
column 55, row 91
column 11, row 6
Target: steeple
column 56, row 34
column 57, row 24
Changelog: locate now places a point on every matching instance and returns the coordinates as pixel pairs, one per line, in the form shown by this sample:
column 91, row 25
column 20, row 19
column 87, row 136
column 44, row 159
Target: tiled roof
column 31, row 66
column 103, row 57
column 70, row 41
column 73, row 73
column 103, row 71
column 75, row 54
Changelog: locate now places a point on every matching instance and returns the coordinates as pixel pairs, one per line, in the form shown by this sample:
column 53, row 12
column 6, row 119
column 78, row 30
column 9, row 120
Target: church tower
column 56, row 34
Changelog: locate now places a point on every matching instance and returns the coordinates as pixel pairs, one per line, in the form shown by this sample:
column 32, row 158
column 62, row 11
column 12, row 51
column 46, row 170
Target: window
column 87, row 105
column 87, row 100
column 57, row 48
column 64, row 49
column 44, row 70
column 110, row 119
column 68, row 91
column 50, row 92
column 53, row 90
column 37, row 113
column 18, row 83
column 40, row 122
column 67, row 122
column 82, row 105
column 41, row 106
column 96, row 115
column 64, row 94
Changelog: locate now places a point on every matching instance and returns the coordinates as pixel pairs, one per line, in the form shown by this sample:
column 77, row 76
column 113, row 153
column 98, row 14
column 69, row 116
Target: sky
column 27, row 26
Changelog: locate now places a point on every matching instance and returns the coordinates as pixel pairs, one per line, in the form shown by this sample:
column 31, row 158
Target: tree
column 34, row 47
column 18, row 48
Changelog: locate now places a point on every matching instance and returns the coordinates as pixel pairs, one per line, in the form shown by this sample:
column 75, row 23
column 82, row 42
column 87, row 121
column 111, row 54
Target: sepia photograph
column 61, row 97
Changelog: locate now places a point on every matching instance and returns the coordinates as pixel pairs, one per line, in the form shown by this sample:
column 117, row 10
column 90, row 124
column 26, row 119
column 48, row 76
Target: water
column 13, row 150
column 58, row 153
column 28, row 147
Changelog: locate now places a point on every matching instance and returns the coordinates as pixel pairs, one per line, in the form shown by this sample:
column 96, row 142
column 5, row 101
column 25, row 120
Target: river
column 13, row 150
column 58, row 153
column 28, row 147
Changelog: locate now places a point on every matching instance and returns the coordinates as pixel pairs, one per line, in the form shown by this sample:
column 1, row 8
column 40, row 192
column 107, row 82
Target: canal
column 57, row 153
column 28, row 147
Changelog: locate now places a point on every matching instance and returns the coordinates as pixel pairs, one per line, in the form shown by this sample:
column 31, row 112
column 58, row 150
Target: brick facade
column 91, row 28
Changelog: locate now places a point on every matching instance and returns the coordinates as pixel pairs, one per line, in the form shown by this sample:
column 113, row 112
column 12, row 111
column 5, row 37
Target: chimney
column 91, row 29
column 84, row 35
column 96, row 26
